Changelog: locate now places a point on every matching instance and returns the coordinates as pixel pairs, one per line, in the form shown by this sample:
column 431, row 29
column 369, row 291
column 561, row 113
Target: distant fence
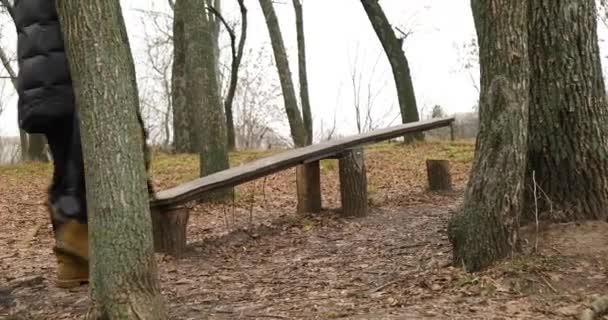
column 465, row 125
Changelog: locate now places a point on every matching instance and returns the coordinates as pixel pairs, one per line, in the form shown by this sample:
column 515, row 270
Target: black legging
column 67, row 194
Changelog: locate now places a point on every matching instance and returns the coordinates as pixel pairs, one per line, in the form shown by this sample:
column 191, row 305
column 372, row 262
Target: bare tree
column 255, row 105
column 401, row 72
column 298, row 131
column 237, row 56
column 302, row 73
column 156, row 98
column 366, row 89
column 32, row 145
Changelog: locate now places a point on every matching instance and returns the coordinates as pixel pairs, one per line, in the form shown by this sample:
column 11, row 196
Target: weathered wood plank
column 256, row 169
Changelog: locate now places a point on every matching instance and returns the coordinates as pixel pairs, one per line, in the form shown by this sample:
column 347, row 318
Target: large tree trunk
column 298, row 132
column 302, row 73
column 214, row 155
column 124, row 283
column 202, row 89
column 568, row 144
column 485, row 228
column 182, row 124
column 401, row 70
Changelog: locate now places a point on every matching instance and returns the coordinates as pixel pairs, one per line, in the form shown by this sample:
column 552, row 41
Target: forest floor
column 257, row 259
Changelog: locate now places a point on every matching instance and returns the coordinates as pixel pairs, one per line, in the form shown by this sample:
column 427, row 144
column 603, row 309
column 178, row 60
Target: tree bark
column 182, row 124
column 308, row 183
column 203, row 90
column 298, row 132
column 302, row 73
column 353, row 183
column 486, row 227
column 399, row 64
column 169, row 227
column 124, row 283
column 568, row 143
column 438, row 173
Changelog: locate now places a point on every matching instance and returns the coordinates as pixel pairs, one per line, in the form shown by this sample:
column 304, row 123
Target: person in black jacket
column 46, row 105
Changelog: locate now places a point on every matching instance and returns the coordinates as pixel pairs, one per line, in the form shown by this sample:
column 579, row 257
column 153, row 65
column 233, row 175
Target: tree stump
column 438, row 173
column 308, row 180
column 169, row 228
column 353, row 183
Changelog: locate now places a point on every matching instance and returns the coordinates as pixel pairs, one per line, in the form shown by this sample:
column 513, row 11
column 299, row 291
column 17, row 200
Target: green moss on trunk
column 124, row 283
column 486, row 228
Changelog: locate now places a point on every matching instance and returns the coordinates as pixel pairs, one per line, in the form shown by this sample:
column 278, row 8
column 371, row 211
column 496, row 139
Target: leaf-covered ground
column 254, row 258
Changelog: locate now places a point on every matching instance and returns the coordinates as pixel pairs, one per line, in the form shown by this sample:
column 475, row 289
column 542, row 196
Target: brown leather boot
column 72, row 252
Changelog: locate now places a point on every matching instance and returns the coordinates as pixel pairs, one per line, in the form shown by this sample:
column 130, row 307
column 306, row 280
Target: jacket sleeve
column 44, row 84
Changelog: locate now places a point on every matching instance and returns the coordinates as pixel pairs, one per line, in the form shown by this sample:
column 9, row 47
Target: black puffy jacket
column 44, row 84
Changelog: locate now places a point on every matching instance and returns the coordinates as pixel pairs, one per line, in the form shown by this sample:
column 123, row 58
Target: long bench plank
column 194, row 189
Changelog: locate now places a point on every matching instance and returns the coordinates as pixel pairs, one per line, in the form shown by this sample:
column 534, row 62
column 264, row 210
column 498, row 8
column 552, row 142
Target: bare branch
column 6, row 62
column 9, row 8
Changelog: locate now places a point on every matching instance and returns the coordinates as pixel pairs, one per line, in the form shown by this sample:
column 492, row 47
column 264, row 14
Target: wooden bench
column 170, row 209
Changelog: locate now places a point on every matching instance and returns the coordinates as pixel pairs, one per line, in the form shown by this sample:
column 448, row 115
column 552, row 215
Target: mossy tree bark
column 183, row 126
column 296, row 124
column 124, row 283
column 399, row 64
column 202, row 89
column 486, row 227
column 568, row 142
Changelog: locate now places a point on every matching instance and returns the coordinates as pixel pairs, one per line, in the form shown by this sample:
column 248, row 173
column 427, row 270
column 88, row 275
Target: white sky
column 337, row 31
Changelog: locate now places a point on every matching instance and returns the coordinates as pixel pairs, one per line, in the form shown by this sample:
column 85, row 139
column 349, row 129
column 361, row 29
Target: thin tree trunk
column 486, row 227
column 215, row 27
column 237, row 57
column 23, row 136
column 298, row 132
column 124, row 282
column 302, row 73
column 568, row 144
column 398, row 61
column 182, row 138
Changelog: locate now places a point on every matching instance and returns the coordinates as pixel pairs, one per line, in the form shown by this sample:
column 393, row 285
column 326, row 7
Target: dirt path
column 393, row 264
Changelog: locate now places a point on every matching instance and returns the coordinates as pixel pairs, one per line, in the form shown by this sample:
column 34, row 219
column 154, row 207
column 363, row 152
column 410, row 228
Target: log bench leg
column 353, row 183
column 308, row 177
column 169, row 229
column 439, row 177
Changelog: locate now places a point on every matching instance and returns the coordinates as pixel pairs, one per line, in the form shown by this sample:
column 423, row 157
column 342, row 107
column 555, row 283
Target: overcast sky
column 337, row 31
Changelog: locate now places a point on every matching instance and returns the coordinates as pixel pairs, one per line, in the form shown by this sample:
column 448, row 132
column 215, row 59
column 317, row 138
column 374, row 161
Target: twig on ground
column 544, row 278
